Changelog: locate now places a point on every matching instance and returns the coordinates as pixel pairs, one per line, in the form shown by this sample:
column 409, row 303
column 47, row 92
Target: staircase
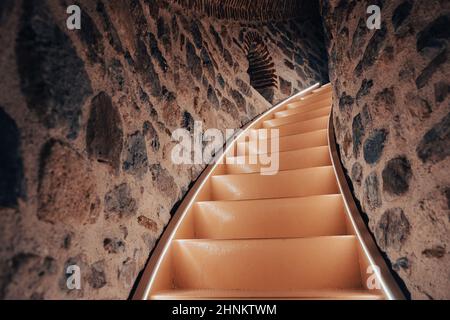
column 293, row 234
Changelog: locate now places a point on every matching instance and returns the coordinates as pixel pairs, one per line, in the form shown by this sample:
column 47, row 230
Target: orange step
column 275, row 218
column 286, row 184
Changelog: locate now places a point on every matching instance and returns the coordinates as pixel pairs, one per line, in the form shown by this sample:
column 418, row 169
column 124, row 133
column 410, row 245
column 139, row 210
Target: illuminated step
column 285, row 184
column 297, row 117
column 287, row 160
column 287, row 143
column 274, row 218
column 212, row 294
column 266, row 264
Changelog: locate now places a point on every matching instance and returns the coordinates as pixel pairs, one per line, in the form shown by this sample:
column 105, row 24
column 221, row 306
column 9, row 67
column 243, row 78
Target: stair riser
column 290, row 218
column 286, row 184
column 290, row 160
column 297, row 118
column 286, row 143
column 302, row 109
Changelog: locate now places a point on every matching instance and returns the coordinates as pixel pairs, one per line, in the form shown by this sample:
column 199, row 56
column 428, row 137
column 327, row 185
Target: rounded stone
column 392, row 229
column 396, row 176
column 374, row 145
column 372, row 191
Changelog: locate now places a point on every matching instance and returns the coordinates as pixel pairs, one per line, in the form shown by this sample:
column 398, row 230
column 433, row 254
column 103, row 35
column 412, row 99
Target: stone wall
column 392, row 120
column 86, row 118
column 268, row 10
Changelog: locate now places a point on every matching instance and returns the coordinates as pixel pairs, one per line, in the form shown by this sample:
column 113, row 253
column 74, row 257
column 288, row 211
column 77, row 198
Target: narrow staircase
column 291, row 234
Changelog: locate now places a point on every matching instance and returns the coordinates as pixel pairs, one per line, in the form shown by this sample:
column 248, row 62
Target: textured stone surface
column 374, row 146
column 52, row 75
column 88, row 116
column 372, row 191
column 104, row 136
column 396, row 176
column 11, row 166
column 66, row 186
column 392, row 229
column 434, row 144
column 136, row 160
column 119, row 202
column 399, row 119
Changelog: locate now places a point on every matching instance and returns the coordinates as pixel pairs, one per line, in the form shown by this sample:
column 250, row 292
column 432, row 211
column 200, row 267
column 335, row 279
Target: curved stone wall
column 247, row 10
column 86, row 118
column 392, row 122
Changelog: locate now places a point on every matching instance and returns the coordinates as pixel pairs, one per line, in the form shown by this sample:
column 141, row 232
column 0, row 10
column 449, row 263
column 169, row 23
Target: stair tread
column 295, row 118
column 338, row 294
column 322, row 262
column 292, row 142
column 302, row 109
column 288, row 160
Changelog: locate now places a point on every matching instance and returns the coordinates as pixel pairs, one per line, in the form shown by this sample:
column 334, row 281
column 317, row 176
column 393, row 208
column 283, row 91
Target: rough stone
column 196, row 34
column 430, row 69
column 357, row 174
column 239, row 100
column 127, row 273
column 441, row 90
column 373, row 49
column 164, row 182
column 148, row 223
column 374, row 146
column 386, row 96
column 91, row 37
column 244, row 88
column 188, row 121
column 434, row 34
column 145, row 67
column 171, row 110
column 113, row 245
column 97, row 276
column 228, row 58
column 151, row 134
column 207, row 63
column 435, row 252
column 217, row 38
column 346, row 102
column 285, row 87
column 113, row 36
column 212, row 97
column 366, row 85
column 434, row 146
column 396, row 176
column 193, row 61
column 229, row 107
column 119, row 203
column 156, row 53
column 372, row 191
column 52, row 76
column 66, row 187
column 393, row 229
column 358, row 131
column 359, row 37
column 136, row 160
column 401, row 13
column 401, row 263
column 12, row 186
column 104, row 136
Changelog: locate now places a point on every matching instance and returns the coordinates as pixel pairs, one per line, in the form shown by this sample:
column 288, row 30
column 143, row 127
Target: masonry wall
column 392, row 121
column 86, row 118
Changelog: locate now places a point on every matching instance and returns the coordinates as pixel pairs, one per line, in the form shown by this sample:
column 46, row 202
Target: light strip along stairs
column 295, row 234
